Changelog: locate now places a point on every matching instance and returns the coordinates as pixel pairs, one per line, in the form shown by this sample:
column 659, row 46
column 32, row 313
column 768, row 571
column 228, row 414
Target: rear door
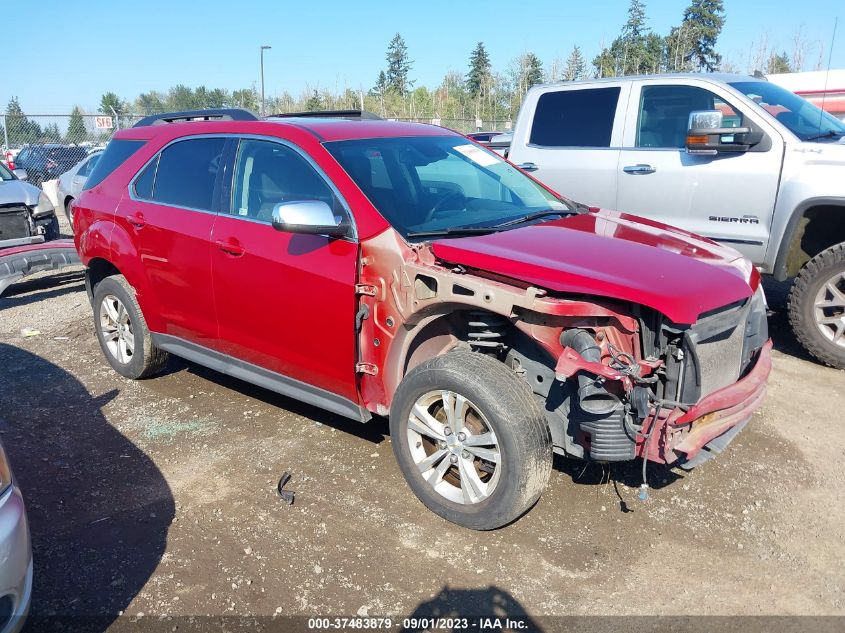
column 572, row 141
column 285, row 302
column 728, row 197
column 169, row 214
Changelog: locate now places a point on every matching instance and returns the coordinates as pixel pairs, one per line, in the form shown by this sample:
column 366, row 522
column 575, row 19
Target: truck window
column 664, row 114
column 575, row 118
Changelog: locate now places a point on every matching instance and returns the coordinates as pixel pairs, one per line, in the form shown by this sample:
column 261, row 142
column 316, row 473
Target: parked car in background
column 737, row 159
column 72, row 181
column 16, row 560
column 26, row 214
column 418, row 275
column 482, row 137
column 48, row 161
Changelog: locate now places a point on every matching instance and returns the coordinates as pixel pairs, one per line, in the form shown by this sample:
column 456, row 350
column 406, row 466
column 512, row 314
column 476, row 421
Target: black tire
column 146, row 359
column 511, row 412
column 810, row 281
column 53, row 231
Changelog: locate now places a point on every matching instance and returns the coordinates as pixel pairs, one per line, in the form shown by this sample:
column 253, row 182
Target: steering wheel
column 442, row 202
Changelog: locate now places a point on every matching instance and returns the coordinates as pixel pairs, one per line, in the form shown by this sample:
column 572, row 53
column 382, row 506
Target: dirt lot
column 158, row 497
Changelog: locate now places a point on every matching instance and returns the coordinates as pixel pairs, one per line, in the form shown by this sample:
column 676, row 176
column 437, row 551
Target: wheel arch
column 815, row 225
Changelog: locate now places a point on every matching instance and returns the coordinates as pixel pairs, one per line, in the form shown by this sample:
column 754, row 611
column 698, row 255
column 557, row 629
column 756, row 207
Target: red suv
column 374, row 267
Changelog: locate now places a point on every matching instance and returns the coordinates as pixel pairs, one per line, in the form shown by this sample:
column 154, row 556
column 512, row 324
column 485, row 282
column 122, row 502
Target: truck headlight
column 44, row 206
column 5, row 471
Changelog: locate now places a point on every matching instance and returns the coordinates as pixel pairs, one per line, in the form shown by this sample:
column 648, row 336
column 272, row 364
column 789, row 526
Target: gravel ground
column 158, row 497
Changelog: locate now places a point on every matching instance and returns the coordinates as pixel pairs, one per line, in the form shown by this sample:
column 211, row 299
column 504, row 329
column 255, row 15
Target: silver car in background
column 72, row 181
column 15, row 553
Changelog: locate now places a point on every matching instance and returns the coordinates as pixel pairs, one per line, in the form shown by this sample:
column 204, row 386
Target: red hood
column 613, row 255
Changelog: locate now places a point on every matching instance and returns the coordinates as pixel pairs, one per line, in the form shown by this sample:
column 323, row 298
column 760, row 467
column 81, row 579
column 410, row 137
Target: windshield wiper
column 455, row 231
column 538, row 215
column 827, row 134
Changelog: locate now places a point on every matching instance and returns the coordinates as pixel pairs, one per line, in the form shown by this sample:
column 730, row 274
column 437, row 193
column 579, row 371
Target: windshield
column 800, row 116
column 5, row 174
column 424, row 184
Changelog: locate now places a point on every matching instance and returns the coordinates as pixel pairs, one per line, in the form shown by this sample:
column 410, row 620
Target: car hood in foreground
column 17, row 191
column 613, row 255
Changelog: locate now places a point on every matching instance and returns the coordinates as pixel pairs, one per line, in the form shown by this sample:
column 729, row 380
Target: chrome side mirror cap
column 312, row 217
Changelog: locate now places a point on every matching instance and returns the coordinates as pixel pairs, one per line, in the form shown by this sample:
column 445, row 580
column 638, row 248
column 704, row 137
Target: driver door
column 728, row 197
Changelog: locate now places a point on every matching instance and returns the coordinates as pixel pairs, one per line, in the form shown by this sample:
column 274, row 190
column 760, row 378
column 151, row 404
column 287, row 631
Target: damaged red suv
column 374, row 267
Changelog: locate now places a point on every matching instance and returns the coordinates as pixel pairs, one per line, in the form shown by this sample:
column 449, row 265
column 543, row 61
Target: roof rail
column 227, row 114
column 330, row 114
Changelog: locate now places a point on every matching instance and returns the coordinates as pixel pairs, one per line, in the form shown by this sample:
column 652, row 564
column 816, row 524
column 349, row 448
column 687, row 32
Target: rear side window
column 144, row 183
column 187, row 171
column 575, row 118
column 113, row 156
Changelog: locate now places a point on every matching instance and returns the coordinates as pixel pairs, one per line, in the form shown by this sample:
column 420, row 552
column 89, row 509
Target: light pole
column 263, row 48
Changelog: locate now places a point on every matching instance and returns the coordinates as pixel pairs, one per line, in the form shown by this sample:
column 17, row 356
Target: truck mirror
column 706, row 135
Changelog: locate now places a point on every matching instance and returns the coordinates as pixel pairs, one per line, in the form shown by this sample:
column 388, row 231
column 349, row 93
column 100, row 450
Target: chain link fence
column 46, row 146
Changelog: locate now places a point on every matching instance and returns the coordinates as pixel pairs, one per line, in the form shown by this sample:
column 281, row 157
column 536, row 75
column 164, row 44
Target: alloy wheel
column 454, row 447
column 829, row 310
column 117, row 330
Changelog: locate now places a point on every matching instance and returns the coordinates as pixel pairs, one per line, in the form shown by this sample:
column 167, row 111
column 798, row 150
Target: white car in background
column 72, row 181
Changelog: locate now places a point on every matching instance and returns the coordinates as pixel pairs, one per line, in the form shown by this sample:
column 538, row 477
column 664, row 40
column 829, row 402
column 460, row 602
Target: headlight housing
column 5, row 471
column 44, row 206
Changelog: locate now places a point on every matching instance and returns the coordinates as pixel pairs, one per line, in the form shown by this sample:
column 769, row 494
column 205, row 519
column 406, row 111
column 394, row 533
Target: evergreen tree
column 110, row 100
column 636, row 50
column 381, row 85
column 19, row 128
column 691, row 45
column 576, row 66
column 480, row 69
column 76, row 132
column 51, row 133
column 532, row 70
column 150, row 102
column 314, row 102
column 779, row 64
column 398, row 66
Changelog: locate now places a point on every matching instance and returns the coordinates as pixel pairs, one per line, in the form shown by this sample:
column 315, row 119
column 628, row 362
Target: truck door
column 729, row 197
column 572, row 141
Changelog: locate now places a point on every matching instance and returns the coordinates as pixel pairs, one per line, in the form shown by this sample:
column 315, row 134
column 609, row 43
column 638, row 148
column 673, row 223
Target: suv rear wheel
column 122, row 330
column 817, row 306
column 470, row 439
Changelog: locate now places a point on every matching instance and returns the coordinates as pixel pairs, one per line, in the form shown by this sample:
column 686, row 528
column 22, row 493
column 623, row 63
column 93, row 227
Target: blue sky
column 65, row 53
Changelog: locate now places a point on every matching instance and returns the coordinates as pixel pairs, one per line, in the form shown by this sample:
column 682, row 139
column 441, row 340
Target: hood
column 17, row 191
column 613, row 255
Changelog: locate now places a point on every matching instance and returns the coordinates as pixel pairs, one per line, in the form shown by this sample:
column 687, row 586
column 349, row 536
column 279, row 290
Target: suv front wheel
column 122, row 330
column 817, row 306
column 470, row 439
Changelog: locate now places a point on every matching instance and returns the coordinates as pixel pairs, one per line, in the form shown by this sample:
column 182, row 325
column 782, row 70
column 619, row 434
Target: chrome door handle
column 528, row 167
column 640, row 169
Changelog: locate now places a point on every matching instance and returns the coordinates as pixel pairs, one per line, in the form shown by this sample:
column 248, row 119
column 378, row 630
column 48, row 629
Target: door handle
column 137, row 220
column 229, row 247
column 639, row 170
column 528, row 167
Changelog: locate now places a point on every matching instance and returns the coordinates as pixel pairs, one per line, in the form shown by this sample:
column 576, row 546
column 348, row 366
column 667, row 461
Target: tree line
column 482, row 92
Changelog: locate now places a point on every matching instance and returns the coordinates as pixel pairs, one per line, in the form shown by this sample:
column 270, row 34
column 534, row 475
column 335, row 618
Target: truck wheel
column 470, row 439
column 122, row 330
column 817, row 306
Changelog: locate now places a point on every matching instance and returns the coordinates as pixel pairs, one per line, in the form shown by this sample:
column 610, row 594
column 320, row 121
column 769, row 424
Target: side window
column 575, row 118
column 85, row 170
column 267, row 173
column 664, row 114
column 187, row 171
column 144, row 183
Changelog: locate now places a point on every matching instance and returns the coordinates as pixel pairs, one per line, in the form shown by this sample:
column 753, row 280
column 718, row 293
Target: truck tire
column 470, row 440
column 817, row 306
column 122, row 330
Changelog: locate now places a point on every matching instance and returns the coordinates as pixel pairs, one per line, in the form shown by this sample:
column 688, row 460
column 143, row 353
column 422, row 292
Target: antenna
column 827, row 72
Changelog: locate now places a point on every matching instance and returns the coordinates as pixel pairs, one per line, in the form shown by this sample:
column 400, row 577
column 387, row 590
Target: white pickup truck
column 734, row 158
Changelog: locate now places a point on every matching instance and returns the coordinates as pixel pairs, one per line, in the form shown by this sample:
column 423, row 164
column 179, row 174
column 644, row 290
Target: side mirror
column 313, row 217
column 706, row 135
column 21, row 174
